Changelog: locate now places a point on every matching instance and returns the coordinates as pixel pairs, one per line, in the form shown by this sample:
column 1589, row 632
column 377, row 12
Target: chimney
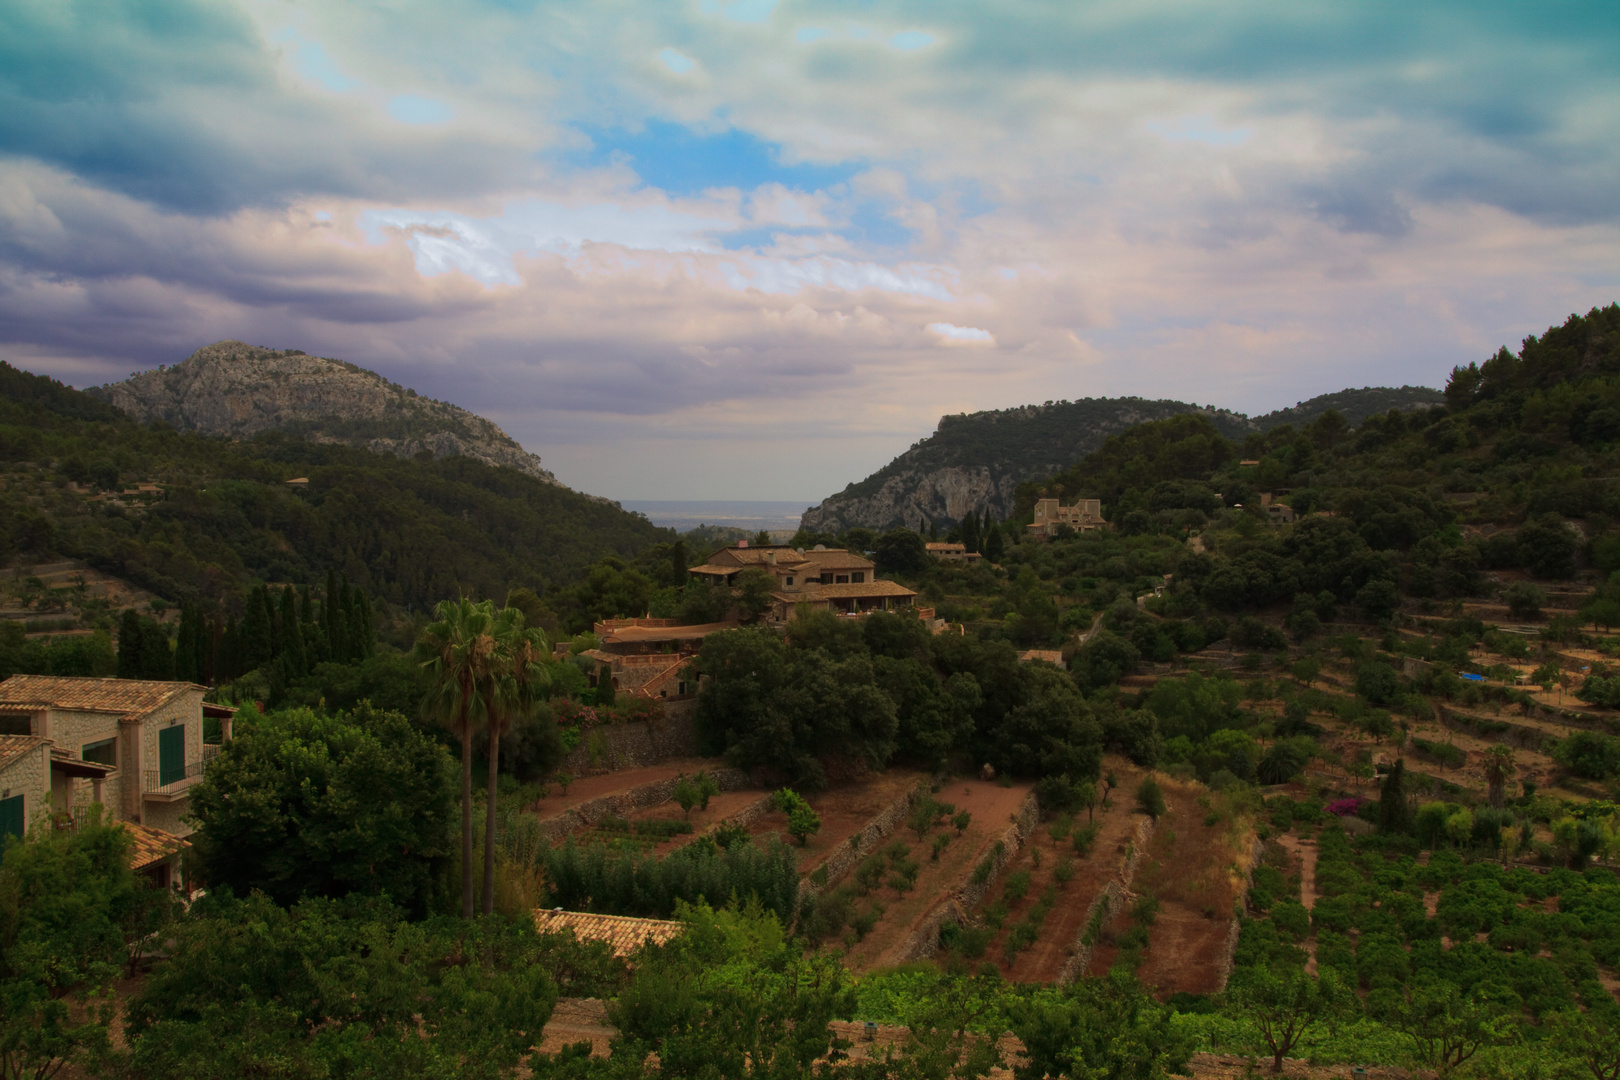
column 770, row 557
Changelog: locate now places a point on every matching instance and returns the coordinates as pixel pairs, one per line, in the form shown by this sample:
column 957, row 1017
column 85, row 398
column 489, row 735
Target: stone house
column 1278, row 513
column 1084, row 516
column 648, row 658
column 134, row 746
column 826, row 579
column 953, row 553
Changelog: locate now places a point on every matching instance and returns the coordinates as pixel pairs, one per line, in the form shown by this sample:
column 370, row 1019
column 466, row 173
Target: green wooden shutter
column 171, row 755
column 12, row 820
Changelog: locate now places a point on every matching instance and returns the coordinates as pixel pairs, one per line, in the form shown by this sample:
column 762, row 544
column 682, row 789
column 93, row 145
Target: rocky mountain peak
column 238, row 390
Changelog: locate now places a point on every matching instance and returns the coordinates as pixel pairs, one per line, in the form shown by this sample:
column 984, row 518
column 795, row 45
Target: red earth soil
column 1044, row 960
column 1187, row 867
column 587, row 788
column 993, row 808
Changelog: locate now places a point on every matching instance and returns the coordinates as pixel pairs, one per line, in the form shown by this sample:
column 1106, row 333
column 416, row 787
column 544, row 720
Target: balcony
column 179, row 783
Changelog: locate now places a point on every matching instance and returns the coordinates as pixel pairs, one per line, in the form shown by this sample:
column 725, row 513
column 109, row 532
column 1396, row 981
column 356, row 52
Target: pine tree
column 129, row 645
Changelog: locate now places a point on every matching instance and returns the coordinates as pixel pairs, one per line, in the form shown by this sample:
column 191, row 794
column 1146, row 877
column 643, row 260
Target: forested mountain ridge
column 223, row 516
column 232, row 389
column 974, row 462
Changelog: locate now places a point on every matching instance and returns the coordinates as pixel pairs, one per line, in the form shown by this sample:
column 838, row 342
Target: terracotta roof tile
column 624, row 934
column 151, row 845
column 126, row 697
column 848, row 592
column 664, row 633
column 13, row 747
column 1051, row 656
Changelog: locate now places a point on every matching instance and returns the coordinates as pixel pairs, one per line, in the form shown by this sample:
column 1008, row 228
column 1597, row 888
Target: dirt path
column 993, row 808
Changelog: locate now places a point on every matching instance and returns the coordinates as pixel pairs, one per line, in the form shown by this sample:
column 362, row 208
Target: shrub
column 803, row 822
column 1017, row 886
column 1085, row 838
column 1150, row 798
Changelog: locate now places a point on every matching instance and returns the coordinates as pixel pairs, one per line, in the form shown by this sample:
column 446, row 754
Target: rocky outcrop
column 975, row 461
column 237, row 390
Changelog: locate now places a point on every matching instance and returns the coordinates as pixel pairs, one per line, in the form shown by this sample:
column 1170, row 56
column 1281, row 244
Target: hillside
column 217, row 515
column 237, row 390
column 975, row 461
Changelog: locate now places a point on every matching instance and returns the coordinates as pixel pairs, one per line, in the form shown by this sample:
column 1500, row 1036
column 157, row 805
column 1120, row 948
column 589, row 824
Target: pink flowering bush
column 1345, row 807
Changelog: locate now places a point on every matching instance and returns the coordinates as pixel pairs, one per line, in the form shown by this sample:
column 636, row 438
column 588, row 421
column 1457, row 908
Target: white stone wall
column 184, row 709
column 30, row 777
column 72, row 730
column 166, row 816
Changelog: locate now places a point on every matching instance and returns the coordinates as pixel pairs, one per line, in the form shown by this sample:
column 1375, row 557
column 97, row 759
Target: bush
column 1150, row 798
column 1524, row 600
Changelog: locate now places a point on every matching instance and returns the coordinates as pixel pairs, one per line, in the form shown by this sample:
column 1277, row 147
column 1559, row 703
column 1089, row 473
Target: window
column 12, row 818
column 105, row 752
column 826, row 579
column 16, row 724
column 858, row 577
column 790, row 581
column 841, row 579
column 171, row 755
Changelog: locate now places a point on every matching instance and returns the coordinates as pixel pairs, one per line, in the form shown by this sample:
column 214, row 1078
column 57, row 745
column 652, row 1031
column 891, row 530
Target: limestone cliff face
column 975, row 461
column 233, row 389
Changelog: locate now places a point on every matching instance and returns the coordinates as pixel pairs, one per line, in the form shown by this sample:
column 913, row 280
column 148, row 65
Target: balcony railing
column 177, row 779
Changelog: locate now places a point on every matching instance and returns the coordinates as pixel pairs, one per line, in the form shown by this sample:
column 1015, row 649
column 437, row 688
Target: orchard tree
column 1284, row 1005
column 299, row 804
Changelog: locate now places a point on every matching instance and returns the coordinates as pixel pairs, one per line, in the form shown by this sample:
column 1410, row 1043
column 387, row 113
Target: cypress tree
column 359, row 623
column 186, row 650
column 157, row 658
column 278, row 637
column 1393, row 813
column 129, row 645
column 292, row 638
column 994, row 546
column 228, row 661
column 329, row 617
column 257, row 642
column 970, row 531
column 306, row 605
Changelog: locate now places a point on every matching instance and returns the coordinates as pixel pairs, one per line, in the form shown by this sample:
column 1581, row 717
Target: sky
column 753, row 249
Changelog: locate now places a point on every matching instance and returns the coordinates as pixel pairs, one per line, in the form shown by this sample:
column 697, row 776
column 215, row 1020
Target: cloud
column 737, row 234
column 961, row 335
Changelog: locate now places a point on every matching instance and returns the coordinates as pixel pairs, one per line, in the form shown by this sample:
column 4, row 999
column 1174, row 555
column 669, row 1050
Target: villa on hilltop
column 827, row 579
column 1084, row 516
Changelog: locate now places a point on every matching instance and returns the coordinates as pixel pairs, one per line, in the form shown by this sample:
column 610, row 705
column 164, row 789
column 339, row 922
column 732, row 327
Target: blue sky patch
column 680, row 161
column 412, row 109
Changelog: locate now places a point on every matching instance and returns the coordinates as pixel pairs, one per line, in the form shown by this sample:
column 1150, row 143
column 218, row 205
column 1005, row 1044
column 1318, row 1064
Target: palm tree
column 520, row 677
column 1499, row 769
column 459, row 650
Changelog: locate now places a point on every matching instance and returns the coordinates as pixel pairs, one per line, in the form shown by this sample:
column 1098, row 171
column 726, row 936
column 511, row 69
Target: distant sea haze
column 682, row 515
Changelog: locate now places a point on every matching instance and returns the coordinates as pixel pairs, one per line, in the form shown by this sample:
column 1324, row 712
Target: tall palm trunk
column 466, row 820
column 489, row 817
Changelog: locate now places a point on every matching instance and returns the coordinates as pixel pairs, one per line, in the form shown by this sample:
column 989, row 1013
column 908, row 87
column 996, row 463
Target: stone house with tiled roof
column 622, row 933
column 135, row 746
column 827, row 579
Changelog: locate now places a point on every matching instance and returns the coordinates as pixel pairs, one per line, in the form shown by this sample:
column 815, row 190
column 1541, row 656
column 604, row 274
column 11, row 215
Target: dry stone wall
column 844, row 857
column 1110, row 901
column 612, row 747
column 622, row 803
column 924, row 940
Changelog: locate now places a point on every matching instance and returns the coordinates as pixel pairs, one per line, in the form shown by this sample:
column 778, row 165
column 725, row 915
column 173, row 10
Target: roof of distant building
column 127, row 697
column 621, row 932
column 151, row 845
column 627, row 634
column 1051, row 656
column 947, row 547
column 814, row 591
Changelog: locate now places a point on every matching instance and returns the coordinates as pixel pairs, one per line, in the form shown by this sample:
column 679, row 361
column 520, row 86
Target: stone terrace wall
column 1229, row 951
column 1109, row 901
column 612, row 747
column 622, row 803
column 844, row 857
column 924, row 941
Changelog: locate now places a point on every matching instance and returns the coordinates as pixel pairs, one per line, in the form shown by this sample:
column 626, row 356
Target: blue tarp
column 1472, row 677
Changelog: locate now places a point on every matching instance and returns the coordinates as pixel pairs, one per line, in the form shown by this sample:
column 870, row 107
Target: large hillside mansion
column 827, row 579
column 136, row 747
